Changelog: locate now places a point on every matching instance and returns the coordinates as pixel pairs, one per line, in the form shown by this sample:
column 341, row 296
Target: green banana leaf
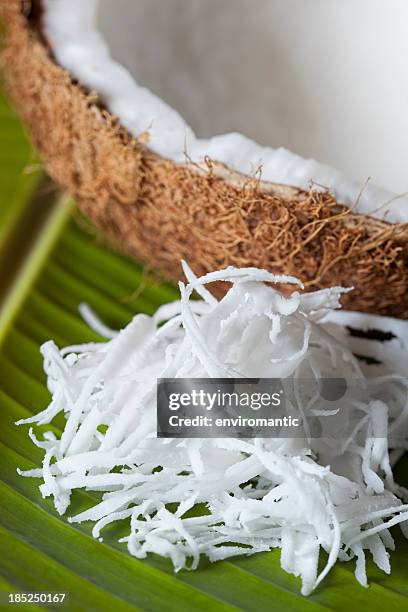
column 60, row 266
column 18, row 170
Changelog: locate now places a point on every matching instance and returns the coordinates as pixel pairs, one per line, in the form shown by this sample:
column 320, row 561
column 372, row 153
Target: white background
column 325, row 78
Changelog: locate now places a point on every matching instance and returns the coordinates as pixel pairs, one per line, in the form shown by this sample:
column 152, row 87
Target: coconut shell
column 161, row 212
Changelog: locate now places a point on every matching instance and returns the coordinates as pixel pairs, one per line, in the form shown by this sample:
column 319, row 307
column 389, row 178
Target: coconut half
column 162, row 193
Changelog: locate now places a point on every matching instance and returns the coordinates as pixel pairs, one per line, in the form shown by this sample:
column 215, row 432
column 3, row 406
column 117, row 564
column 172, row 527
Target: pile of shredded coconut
column 300, row 495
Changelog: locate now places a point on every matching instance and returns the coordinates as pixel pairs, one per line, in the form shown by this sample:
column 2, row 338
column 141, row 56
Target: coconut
column 295, row 491
column 162, row 194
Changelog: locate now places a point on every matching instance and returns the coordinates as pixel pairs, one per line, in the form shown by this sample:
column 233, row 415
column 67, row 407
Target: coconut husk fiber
column 160, row 212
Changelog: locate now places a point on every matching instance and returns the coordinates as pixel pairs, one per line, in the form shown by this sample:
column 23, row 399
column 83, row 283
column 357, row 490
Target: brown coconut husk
column 161, row 212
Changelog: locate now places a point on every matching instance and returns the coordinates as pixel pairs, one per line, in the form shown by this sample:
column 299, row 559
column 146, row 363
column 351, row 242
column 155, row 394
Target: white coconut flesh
column 302, row 495
column 326, row 79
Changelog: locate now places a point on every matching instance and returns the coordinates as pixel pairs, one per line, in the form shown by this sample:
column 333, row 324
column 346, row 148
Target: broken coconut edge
column 161, row 212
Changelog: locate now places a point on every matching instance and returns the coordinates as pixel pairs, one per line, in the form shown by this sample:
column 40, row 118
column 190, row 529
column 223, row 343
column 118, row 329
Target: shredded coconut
column 300, row 495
